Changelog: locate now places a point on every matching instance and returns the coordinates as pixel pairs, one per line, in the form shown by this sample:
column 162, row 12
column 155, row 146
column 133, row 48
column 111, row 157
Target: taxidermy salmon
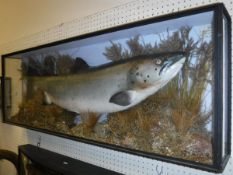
column 112, row 87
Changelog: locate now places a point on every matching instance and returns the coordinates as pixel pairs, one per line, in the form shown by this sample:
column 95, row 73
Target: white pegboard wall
column 114, row 160
column 12, row 136
column 133, row 11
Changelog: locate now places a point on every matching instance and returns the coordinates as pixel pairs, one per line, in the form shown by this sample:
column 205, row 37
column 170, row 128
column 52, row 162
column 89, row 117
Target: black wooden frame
column 219, row 162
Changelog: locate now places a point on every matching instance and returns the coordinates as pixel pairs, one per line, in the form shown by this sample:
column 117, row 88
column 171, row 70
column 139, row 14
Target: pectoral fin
column 122, row 98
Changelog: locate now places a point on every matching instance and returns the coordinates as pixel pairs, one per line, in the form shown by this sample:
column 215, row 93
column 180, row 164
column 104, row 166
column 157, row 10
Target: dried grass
column 165, row 123
column 89, row 121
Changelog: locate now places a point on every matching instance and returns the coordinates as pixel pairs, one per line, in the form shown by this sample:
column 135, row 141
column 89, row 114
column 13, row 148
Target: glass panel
column 115, row 88
column 225, row 86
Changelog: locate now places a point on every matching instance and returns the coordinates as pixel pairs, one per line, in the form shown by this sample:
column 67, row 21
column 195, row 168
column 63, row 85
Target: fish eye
column 158, row 61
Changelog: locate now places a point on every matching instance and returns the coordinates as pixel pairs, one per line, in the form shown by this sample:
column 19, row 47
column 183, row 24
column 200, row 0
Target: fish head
column 170, row 67
column 157, row 69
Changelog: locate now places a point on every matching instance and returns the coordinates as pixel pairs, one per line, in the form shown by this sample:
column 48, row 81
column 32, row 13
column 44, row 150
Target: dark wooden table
column 59, row 164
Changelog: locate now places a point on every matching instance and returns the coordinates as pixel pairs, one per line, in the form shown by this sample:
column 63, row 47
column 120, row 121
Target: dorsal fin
column 79, row 65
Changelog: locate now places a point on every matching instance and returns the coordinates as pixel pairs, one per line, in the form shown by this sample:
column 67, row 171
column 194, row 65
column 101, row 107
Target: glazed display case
column 158, row 88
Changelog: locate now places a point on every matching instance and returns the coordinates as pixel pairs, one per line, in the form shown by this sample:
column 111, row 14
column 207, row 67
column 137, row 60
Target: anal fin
column 47, row 98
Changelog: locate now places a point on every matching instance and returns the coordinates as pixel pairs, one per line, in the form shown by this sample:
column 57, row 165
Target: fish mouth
column 179, row 59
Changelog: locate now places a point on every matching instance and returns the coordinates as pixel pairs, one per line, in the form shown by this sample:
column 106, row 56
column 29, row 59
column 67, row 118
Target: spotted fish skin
column 113, row 87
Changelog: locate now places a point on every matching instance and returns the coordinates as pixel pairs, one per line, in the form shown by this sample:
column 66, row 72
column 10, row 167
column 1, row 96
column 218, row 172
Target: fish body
column 110, row 88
